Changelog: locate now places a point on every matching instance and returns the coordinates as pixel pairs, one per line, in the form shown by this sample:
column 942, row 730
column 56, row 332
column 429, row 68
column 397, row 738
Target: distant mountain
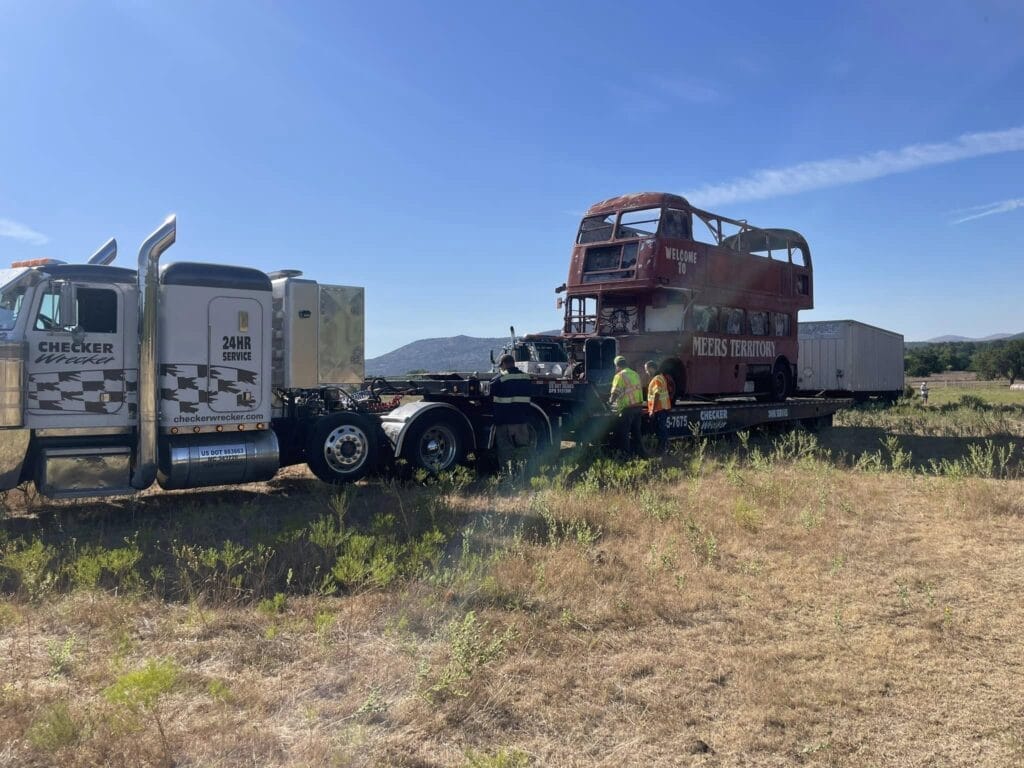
column 993, row 337
column 454, row 353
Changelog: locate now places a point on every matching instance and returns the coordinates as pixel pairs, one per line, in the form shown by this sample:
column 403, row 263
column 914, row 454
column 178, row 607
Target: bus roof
column 639, row 200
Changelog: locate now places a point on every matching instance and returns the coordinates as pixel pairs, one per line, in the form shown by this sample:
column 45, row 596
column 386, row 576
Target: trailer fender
column 396, row 424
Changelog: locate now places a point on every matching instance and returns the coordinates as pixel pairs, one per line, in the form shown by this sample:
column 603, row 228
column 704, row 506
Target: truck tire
column 545, row 447
column 779, row 384
column 435, row 442
column 342, row 447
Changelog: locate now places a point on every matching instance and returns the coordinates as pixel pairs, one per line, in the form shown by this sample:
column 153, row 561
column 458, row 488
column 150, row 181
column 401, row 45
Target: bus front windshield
column 632, row 225
column 642, row 223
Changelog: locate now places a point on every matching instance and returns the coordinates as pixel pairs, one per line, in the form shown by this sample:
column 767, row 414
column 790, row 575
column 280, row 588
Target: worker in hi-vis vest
column 659, row 401
column 627, row 400
column 514, row 439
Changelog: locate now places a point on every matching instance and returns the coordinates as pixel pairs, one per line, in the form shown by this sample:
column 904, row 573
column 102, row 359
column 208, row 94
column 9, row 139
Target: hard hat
column 619, row 360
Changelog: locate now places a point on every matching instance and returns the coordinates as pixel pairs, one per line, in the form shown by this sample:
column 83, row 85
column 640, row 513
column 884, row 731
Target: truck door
column 75, row 365
column 236, row 347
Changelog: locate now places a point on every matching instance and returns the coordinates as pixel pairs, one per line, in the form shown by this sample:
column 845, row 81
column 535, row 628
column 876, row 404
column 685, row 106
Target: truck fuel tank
column 191, row 461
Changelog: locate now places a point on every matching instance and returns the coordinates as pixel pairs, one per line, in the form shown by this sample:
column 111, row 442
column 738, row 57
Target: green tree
column 1001, row 359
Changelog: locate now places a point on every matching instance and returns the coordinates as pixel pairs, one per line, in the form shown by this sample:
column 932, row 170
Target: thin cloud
column 657, row 94
column 687, row 89
column 1003, row 206
column 18, row 231
column 819, row 174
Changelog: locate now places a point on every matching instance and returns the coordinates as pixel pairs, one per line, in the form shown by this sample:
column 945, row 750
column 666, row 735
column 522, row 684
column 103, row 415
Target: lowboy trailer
column 193, row 375
column 453, row 416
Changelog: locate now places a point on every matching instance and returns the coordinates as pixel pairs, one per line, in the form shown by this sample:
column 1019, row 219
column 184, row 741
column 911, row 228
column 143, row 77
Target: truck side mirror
column 68, row 306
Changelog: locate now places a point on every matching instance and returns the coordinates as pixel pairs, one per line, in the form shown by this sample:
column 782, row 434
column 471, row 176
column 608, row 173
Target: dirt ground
column 771, row 602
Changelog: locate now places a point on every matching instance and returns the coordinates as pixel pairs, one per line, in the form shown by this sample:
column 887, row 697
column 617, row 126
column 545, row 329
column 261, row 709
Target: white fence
column 957, row 383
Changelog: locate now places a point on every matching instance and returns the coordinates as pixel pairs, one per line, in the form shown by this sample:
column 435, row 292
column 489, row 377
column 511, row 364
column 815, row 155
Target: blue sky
column 440, row 153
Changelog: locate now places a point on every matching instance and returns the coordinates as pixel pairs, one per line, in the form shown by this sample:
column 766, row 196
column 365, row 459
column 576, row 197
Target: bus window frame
column 618, row 223
column 691, row 325
column 767, row 322
column 741, row 325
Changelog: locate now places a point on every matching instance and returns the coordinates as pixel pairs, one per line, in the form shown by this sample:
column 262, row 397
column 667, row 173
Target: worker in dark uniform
column 514, row 438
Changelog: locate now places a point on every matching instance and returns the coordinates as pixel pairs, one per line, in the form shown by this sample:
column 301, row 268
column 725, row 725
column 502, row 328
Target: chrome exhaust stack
column 145, row 466
column 106, row 254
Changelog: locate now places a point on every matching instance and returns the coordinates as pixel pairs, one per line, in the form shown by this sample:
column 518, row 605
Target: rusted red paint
column 684, row 264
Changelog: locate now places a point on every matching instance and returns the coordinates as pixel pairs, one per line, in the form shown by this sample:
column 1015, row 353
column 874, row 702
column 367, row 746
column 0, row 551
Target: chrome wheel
column 346, row 448
column 438, row 447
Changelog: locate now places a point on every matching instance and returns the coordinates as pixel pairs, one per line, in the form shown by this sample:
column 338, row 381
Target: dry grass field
column 845, row 599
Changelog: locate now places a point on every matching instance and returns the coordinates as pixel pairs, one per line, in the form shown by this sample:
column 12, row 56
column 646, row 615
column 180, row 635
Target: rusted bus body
column 713, row 299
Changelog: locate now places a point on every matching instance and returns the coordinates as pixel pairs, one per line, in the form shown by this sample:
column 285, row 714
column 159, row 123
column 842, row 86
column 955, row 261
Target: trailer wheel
column 342, row 448
column 779, row 384
column 435, row 442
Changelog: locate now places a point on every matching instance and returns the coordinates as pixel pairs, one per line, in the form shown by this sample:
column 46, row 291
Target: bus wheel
column 435, row 443
column 342, row 447
column 780, row 382
column 675, row 370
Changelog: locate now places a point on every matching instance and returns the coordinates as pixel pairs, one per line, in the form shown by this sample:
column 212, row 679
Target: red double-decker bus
column 713, row 299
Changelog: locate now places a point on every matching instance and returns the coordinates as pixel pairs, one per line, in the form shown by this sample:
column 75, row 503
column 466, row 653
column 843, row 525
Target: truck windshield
column 12, row 298
column 549, row 353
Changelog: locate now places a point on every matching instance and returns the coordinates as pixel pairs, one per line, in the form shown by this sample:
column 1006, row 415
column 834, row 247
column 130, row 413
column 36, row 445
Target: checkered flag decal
column 185, row 386
column 93, row 391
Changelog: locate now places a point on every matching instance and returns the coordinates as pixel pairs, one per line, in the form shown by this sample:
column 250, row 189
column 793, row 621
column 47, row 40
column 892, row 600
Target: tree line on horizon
column 1003, row 359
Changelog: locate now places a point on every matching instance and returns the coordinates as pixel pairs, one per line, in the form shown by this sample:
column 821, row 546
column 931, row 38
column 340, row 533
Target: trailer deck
column 577, row 410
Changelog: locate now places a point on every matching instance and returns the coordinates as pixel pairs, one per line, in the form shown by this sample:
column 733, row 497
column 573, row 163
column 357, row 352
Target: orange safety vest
column 657, row 395
column 627, row 392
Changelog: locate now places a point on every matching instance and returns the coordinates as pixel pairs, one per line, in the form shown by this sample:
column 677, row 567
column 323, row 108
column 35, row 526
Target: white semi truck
column 111, row 378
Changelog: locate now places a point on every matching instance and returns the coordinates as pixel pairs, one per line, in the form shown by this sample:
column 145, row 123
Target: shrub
column 142, row 689
column 557, row 530
column 54, row 728
column 469, row 650
column 29, row 564
column 61, row 656
column 379, row 558
column 973, row 402
column 747, row 516
column 703, row 543
column 137, row 694
column 115, row 567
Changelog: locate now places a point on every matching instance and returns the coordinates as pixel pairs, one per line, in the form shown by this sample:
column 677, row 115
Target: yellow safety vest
column 657, row 395
column 626, row 390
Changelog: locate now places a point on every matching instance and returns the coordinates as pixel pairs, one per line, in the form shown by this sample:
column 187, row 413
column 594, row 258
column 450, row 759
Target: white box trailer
column 850, row 357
